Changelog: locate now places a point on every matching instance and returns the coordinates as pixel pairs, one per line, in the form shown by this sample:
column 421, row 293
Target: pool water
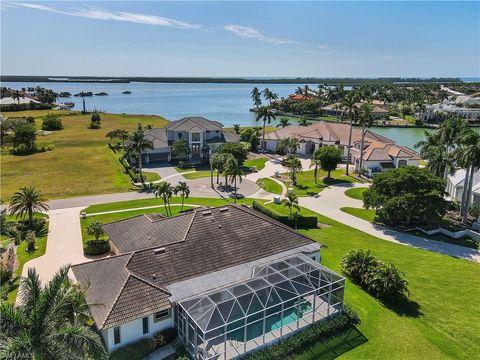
column 272, row 323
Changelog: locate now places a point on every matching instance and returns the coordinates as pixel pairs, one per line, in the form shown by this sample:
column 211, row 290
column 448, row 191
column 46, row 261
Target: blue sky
column 241, row 38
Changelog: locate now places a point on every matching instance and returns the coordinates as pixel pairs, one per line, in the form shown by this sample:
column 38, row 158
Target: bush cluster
column 95, row 121
column 96, row 247
column 140, row 349
column 381, row 279
column 52, row 122
column 22, row 107
column 314, row 333
column 301, row 221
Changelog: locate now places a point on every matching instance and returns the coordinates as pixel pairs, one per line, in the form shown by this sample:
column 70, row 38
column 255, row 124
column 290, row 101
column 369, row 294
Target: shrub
column 96, row 247
column 95, row 229
column 382, row 280
column 95, row 121
column 23, row 107
column 312, row 334
column 30, row 120
column 23, row 139
column 140, row 349
column 301, row 221
column 31, row 239
column 52, row 122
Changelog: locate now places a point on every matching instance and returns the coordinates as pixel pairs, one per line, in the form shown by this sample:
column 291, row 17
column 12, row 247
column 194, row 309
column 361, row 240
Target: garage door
column 159, row 157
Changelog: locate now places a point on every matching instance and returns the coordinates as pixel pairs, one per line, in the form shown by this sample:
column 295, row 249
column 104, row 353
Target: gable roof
column 187, row 123
column 193, row 244
column 378, row 151
column 158, row 136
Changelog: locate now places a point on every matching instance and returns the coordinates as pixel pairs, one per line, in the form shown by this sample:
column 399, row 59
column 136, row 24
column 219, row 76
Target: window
column 179, row 135
column 116, row 335
column 145, row 325
column 195, row 136
column 161, row 315
column 402, row 163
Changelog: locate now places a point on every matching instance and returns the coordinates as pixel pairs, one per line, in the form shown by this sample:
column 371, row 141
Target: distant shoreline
column 221, row 80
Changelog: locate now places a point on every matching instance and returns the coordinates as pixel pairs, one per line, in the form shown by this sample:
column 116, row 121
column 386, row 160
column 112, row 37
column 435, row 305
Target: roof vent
column 224, row 209
column 159, row 251
column 154, row 276
column 206, row 213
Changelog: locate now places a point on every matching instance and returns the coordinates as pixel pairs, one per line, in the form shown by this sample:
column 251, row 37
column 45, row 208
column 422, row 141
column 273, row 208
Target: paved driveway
column 64, row 245
column 333, row 198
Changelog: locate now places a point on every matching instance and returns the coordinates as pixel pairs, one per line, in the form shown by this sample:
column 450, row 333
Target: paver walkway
column 331, row 199
column 162, row 353
column 64, row 244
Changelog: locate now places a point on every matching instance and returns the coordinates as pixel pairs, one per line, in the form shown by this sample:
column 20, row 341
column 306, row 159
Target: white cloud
column 252, row 33
column 107, row 15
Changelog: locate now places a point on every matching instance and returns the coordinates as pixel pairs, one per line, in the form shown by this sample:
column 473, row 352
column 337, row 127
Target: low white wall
column 453, row 234
column 132, row 331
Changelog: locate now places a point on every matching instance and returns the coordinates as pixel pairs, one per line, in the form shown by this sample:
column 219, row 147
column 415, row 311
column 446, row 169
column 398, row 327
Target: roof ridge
column 101, row 259
column 141, row 278
column 115, row 300
column 190, row 225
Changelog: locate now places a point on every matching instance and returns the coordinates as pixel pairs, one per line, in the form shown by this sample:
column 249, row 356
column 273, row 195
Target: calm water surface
column 227, row 103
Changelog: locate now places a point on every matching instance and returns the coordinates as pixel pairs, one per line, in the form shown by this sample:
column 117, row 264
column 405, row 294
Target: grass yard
column 259, row 163
column 440, row 322
column 23, row 255
column 132, row 204
column 356, row 193
column 365, row 214
column 270, row 185
column 106, row 218
column 80, row 164
column 306, row 183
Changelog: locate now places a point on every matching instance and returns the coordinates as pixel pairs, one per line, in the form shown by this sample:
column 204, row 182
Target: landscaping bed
column 306, row 185
column 356, row 193
column 270, row 186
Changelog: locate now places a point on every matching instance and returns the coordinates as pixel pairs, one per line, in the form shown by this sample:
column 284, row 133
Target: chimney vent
column 159, row 251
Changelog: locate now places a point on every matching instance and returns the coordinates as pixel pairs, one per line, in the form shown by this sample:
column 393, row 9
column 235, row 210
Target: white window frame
column 157, row 319
column 119, row 335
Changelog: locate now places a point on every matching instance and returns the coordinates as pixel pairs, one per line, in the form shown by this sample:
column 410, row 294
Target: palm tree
column 469, row 153
column 349, row 104
column 218, row 161
column 82, row 95
column 183, row 189
column 236, row 128
column 27, row 201
column 267, row 95
column 234, row 170
column 316, row 162
column 265, row 114
column 165, row 191
column 49, row 323
column 366, row 120
column 284, row 122
column 16, row 96
column 95, row 229
column 294, row 164
column 304, row 122
column 180, row 146
column 288, row 145
column 450, row 132
column 291, row 201
column 429, row 145
column 255, row 94
column 139, row 143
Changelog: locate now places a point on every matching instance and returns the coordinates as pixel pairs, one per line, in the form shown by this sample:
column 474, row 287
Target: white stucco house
column 455, row 186
column 196, row 131
column 229, row 279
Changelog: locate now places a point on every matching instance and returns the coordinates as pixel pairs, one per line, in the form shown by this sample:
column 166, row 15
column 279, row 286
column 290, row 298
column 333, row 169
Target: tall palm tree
column 234, row 170
column 16, row 96
column 289, row 145
column 349, row 104
column 316, row 163
column 218, row 162
column 431, row 143
column 255, row 95
column 165, row 191
column 183, row 189
column 450, row 132
column 236, row 128
column 49, row 323
column 291, row 201
column 294, row 165
column 82, row 95
column 265, row 114
column 139, row 143
column 267, row 95
column 470, row 155
column 284, row 122
column 365, row 120
column 27, row 201
column 303, row 122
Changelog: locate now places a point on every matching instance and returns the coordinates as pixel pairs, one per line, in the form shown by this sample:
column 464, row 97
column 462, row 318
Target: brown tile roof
column 377, row 151
column 180, row 248
column 187, row 123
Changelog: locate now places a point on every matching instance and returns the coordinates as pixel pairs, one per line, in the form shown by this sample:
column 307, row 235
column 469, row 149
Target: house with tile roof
column 196, row 131
column 229, row 279
column 456, row 184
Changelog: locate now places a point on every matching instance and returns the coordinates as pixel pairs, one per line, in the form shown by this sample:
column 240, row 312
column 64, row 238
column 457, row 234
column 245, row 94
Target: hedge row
column 140, row 349
column 311, row 335
column 96, row 247
column 301, row 221
column 26, row 106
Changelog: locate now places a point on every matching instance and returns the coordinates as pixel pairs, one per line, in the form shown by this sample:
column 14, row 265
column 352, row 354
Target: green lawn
column 365, row 214
column 23, row 256
column 356, row 193
column 441, row 321
column 200, row 174
column 270, row 185
column 80, row 164
column 106, row 218
column 150, row 176
column 306, row 185
column 132, row 204
column 259, row 163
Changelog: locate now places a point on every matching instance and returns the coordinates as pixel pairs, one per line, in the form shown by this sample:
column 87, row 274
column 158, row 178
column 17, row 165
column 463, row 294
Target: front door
column 195, row 149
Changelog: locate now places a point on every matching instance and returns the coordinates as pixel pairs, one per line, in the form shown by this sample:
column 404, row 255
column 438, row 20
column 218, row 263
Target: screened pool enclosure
column 281, row 297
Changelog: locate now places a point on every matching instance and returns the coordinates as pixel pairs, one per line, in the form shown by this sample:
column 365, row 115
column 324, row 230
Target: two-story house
column 196, row 131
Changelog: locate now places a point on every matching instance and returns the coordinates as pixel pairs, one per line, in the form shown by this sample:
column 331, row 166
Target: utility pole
column 211, row 166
